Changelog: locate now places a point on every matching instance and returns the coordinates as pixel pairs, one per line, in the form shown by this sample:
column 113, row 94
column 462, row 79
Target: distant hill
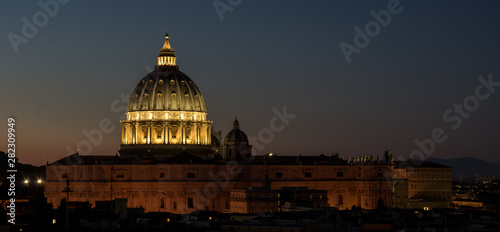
column 468, row 166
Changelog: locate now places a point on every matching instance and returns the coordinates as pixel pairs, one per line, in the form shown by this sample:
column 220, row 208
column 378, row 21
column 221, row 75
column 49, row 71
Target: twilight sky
column 263, row 55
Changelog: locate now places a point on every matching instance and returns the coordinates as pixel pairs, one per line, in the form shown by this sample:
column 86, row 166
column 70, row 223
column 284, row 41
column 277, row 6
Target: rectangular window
column 191, row 175
column 120, row 175
column 278, row 175
column 190, row 202
column 65, row 175
column 308, row 174
column 340, row 174
column 162, row 175
column 380, row 174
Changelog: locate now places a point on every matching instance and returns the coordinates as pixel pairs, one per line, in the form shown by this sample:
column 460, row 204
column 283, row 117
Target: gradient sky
column 264, row 55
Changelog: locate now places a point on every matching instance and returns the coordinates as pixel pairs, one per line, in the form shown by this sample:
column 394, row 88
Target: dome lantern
column 236, row 124
column 167, row 58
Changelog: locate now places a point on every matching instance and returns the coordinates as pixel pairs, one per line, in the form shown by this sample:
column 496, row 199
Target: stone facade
column 194, row 184
column 429, row 186
column 182, row 188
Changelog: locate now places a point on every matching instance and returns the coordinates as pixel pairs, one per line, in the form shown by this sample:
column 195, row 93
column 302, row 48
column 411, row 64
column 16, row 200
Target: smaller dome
column 236, row 136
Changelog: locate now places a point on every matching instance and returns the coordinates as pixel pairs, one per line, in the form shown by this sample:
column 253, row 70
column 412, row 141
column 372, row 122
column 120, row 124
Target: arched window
column 341, row 200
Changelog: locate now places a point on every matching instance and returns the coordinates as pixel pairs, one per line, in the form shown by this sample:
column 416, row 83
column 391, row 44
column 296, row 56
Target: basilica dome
column 166, row 89
column 166, row 114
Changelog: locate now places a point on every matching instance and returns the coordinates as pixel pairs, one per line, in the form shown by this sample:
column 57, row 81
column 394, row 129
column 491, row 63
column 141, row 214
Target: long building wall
column 187, row 187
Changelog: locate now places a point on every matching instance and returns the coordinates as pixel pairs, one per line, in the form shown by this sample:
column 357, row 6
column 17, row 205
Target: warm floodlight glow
column 153, row 117
column 26, row 181
column 167, row 56
column 39, row 181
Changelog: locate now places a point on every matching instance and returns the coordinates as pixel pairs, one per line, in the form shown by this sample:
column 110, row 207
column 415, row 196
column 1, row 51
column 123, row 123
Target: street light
column 26, row 181
column 39, row 181
column 67, row 190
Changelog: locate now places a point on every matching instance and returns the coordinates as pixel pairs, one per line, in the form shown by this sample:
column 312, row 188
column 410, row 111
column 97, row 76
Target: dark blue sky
column 263, row 55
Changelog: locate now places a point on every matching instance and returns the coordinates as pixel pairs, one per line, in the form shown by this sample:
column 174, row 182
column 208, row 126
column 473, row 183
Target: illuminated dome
column 166, row 114
column 166, row 89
